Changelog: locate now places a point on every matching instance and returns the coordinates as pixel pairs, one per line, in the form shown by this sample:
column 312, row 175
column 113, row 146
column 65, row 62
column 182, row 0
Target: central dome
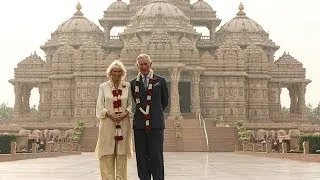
column 163, row 8
column 160, row 16
column 118, row 6
column 200, row 5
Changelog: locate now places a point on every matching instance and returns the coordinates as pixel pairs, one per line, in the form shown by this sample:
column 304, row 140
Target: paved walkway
column 178, row 166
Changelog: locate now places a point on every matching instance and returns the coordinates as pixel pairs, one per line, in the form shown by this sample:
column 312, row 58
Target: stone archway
column 185, row 97
column 297, row 109
column 27, row 101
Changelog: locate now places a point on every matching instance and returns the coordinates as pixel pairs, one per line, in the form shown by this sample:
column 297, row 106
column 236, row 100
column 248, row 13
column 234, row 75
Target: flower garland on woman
column 116, row 106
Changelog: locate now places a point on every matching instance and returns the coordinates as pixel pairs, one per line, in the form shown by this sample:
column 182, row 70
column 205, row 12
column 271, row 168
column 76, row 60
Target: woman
column 114, row 143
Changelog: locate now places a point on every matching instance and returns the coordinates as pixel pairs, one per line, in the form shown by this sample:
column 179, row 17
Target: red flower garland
column 116, row 105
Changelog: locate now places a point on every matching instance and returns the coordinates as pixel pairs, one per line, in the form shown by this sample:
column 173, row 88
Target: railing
column 205, row 38
column 203, row 124
column 114, row 38
column 204, row 41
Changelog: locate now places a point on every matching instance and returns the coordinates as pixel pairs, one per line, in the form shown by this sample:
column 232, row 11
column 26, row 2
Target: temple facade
column 229, row 75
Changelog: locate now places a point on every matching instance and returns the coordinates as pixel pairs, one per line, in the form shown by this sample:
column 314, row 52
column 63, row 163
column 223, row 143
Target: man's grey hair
column 144, row 56
column 116, row 64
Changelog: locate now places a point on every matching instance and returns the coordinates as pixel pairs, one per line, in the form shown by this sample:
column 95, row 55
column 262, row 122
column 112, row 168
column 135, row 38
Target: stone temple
column 227, row 76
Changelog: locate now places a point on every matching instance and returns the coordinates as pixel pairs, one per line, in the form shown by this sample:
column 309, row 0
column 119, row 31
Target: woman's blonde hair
column 116, row 64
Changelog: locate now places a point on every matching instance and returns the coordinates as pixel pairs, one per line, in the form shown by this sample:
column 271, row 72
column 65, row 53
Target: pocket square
column 156, row 84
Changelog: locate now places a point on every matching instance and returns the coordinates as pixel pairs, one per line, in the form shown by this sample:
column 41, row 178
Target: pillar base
column 177, row 120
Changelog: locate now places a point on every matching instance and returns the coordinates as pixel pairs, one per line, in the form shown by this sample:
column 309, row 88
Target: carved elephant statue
column 261, row 135
column 281, row 132
column 45, row 134
column 294, row 132
column 316, row 134
column 68, row 135
column 272, row 136
column 37, row 133
column 281, row 135
column 24, row 132
column 22, row 140
column 55, row 135
column 251, row 135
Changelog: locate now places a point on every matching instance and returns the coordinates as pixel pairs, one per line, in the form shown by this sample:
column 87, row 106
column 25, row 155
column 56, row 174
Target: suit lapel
column 155, row 80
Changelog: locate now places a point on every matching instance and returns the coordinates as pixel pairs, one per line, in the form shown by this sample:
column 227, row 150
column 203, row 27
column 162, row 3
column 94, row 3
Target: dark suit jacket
column 159, row 101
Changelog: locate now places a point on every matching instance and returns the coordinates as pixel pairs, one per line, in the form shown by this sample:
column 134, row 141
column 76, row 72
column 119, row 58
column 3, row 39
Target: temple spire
column 78, row 7
column 241, row 8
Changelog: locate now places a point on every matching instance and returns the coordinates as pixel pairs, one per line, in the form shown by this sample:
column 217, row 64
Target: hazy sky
column 292, row 24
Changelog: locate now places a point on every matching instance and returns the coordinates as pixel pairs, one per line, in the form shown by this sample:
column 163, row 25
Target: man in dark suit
column 150, row 94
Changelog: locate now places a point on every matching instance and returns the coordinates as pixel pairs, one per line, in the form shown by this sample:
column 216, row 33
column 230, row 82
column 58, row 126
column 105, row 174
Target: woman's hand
column 122, row 115
column 113, row 117
column 117, row 117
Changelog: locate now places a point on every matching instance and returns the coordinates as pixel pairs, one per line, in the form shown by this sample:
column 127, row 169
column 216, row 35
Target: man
column 150, row 94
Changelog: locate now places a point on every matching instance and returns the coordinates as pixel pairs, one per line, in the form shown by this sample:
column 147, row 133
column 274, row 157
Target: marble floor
column 178, row 166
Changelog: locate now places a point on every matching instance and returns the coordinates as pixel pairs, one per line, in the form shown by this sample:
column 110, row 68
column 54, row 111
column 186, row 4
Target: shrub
column 243, row 133
column 314, row 142
column 78, row 131
column 5, row 143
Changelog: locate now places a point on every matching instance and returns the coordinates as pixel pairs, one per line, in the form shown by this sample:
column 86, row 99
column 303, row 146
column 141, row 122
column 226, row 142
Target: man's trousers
column 149, row 154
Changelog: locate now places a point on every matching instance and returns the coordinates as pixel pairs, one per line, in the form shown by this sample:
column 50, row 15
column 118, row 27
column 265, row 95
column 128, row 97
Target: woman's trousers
column 113, row 167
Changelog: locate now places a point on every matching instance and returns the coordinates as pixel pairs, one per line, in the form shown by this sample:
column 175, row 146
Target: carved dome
column 202, row 6
column 161, row 7
column 31, row 61
column 160, row 13
column 286, row 58
column 75, row 31
column 241, row 23
column 243, row 31
column 78, row 23
column 117, row 6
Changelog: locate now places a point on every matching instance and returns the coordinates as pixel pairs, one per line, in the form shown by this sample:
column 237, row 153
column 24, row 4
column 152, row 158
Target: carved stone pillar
column 18, row 100
column 212, row 32
column 26, row 99
column 174, row 95
column 107, row 30
column 195, row 96
column 301, row 98
column 49, row 56
column 293, row 99
column 212, row 28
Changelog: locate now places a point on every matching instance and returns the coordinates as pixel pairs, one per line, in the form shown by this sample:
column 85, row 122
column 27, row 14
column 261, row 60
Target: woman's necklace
column 117, row 93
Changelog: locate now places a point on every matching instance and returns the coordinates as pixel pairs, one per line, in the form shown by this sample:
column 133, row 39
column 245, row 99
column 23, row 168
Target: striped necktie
column 145, row 82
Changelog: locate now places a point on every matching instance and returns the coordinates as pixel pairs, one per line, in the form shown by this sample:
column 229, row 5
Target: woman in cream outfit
column 113, row 153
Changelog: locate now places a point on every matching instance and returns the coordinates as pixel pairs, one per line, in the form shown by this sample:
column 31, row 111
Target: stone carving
column 239, row 71
column 37, row 133
column 55, row 135
column 294, row 132
column 24, row 132
column 175, row 77
column 281, row 133
column 261, row 135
